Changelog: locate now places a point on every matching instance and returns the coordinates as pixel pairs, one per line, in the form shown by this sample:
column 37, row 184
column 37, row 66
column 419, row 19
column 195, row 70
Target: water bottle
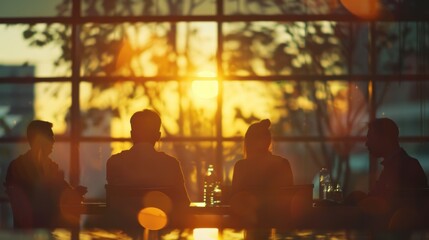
column 209, row 186
column 324, row 183
column 217, row 194
column 338, row 193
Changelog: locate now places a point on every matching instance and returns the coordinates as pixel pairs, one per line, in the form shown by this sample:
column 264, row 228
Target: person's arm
column 287, row 172
column 111, row 170
column 237, row 178
column 10, row 175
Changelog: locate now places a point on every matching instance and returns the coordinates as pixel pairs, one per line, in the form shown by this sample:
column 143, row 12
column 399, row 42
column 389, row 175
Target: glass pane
column 93, row 158
column 323, row 109
column 274, row 48
column 148, row 8
column 405, row 102
column 401, row 47
column 35, row 8
column 149, row 49
column 356, row 47
column 194, row 158
column 40, row 50
column 348, row 162
column 106, row 109
column 264, row 7
column 21, row 103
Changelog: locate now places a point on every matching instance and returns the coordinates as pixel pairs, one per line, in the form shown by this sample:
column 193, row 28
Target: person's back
column 270, row 171
column 144, row 167
column 258, row 180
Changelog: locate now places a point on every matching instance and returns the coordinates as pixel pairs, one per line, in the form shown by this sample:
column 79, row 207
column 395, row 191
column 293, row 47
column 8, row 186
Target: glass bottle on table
column 212, row 190
column 338, row 193
column 325, row 185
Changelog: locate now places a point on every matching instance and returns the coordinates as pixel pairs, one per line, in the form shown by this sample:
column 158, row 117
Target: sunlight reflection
column 206, row 233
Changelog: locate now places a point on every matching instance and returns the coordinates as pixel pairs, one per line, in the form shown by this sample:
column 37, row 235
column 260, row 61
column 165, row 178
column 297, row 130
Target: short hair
column 384, row 127
column 38, row 127
column 146, row 122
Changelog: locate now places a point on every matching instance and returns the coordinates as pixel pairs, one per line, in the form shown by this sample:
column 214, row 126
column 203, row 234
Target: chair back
column 271, row 207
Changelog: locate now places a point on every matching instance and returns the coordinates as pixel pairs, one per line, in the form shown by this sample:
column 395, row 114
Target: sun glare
column 205, row 88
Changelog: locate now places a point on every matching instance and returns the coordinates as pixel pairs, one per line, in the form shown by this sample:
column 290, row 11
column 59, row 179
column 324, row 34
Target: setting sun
column 205, row 88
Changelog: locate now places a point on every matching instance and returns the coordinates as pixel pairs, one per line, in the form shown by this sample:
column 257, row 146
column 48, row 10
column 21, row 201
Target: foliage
column 317, row 108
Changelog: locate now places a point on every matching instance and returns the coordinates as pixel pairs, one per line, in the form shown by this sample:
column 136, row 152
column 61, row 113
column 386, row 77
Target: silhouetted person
column 258, row 178
column 36, row 186
column 400, row 171
column 392, row 204
column 143, row 166
column 260, row 168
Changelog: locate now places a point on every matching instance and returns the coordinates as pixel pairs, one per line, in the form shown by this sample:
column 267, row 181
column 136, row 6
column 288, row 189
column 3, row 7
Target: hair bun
column 265, row 123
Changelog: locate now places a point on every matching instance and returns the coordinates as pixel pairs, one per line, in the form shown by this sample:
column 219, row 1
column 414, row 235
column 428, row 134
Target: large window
column 320, row 70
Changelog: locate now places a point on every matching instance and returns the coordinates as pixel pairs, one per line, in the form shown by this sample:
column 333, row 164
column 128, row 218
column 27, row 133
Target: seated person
column 261, row 174
column 145, row 167
column 400, row 172
column 36, row 186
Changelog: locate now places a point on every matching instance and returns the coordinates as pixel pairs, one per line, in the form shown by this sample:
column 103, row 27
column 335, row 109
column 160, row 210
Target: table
column 299, row 217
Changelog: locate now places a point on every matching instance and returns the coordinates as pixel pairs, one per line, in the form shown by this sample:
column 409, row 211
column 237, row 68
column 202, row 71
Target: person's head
column 145, row 126
column 40, row 136
column 382, row 137
column 258, row 138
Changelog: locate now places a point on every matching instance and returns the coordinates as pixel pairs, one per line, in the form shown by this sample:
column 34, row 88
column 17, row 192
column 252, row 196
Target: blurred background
column 318, row 69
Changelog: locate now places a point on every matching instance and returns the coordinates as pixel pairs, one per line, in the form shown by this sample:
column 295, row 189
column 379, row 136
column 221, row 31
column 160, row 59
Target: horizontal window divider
column 61, row 139
column 345, row 77
column 387, row 17
column 26, row 80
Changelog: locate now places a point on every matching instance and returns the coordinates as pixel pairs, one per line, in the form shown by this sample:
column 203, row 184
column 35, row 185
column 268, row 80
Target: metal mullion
column 372, row 99
column 347, row 77
column 406, row 139
column 220, row 73
column 217, row 18
column 75, row 93
column 27, row 80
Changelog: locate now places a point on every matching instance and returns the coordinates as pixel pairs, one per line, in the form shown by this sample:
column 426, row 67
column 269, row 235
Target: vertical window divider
column 75, row 93
column 220, row 75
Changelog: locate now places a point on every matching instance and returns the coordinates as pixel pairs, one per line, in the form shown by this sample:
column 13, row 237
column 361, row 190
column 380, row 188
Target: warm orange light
column 152, row 218
column 206, row 233
column 205, row 89
column 368, row 9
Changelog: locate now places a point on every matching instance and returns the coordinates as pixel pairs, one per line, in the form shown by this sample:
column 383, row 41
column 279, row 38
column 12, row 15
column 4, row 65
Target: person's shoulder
column 279, row 159
column 122, row 154
column 167, row 158
column 240, row 163
column 21, row 159
column 410, row 159
column 118, row 156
